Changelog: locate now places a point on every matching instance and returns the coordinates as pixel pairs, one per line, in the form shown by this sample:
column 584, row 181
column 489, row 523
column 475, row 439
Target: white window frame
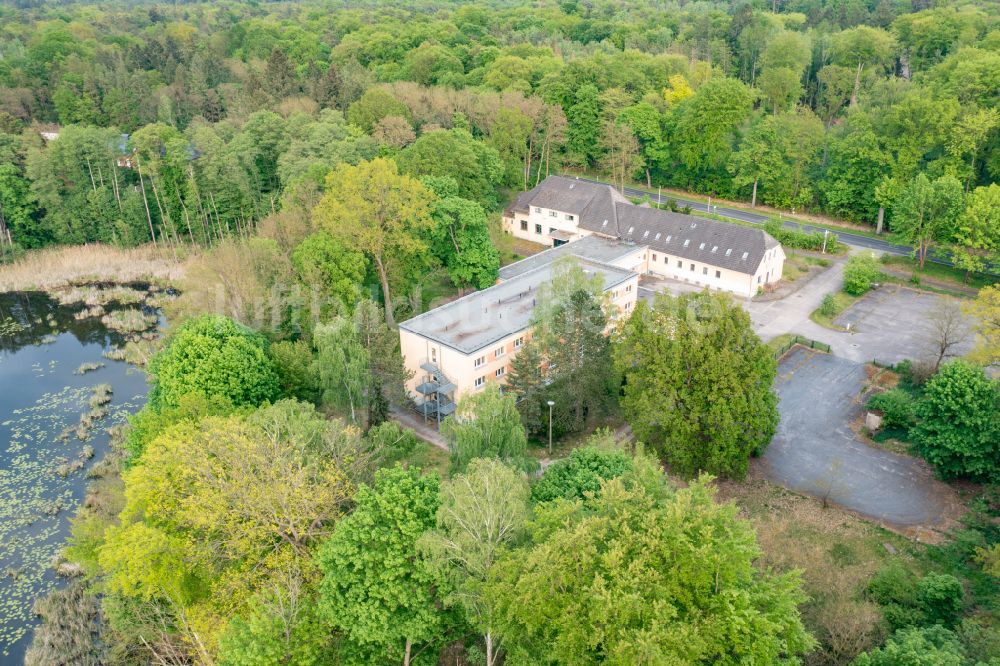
column 480, row 381
column 479, row 362
column 500, row 351
column 500, row 372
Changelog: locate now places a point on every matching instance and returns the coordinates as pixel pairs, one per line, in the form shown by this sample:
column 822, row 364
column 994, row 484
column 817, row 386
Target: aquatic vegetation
column 129, row 320
column 10, row 326
column 40, row 484
column 136, row 352
column 87, row 367
column 89, row 313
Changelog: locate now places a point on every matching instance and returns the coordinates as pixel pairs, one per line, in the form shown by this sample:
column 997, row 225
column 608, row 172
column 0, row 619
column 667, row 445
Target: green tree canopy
column 627, row 578
column 485, row 425
column 698, row 382
column 959, row 428
column 214, row 357
column 377, row 589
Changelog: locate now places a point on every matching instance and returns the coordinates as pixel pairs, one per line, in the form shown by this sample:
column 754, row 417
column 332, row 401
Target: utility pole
column 551, row 404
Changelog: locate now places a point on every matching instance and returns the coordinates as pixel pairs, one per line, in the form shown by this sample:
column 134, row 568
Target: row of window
column 680, row 264
column 553, row 213
column 498, row 352
column 481, row 380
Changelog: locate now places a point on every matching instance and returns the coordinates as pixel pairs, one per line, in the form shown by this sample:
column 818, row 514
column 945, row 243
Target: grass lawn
column 435, row 288
column 430, row 458
column 841, row 301
column 932, row 274
column 776, row 343
column 797, row 265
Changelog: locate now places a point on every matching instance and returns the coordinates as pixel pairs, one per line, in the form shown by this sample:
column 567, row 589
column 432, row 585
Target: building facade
column 468, row 343
column 708, row 253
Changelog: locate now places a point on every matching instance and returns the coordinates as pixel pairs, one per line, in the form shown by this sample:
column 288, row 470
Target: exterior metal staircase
column 437, row 393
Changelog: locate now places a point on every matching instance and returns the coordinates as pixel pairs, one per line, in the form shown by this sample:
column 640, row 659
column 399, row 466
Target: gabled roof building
column 709, row 253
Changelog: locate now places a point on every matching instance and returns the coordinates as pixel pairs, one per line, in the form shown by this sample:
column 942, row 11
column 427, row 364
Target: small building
column 718, row 255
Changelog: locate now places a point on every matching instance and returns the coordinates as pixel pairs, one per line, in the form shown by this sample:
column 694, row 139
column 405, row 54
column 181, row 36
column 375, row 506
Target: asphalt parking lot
column 815, row 451
column 894, row 323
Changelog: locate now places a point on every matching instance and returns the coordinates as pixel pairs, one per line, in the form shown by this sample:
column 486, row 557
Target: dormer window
column 701, row 247
column 745, row 255
column 657, row 236
column 714, row 248
column 645, row 234
column 687, row 242
column 604, row 224
column 630, row 230
column 668, row 239
column 729, row 252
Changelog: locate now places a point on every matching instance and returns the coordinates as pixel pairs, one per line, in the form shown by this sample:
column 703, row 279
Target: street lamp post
column 551, row 404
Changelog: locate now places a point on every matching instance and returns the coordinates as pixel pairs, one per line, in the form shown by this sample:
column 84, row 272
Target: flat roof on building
column 595, row 248
column 485, row 317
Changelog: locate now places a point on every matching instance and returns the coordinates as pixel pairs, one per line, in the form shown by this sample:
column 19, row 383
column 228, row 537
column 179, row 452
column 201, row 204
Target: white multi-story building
column 718, row 255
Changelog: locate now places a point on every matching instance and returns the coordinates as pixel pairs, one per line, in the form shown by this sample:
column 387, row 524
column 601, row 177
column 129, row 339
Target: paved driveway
column 815, row 451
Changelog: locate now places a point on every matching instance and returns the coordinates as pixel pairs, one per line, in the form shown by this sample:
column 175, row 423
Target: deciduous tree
column 373, row 208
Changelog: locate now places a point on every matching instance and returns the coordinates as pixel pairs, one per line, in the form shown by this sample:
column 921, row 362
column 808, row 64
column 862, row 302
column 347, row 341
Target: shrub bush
column 897, row 407
column 581, row 473
column 859, row 274
column 800, row 239
column 828, row 308
column 940, row 597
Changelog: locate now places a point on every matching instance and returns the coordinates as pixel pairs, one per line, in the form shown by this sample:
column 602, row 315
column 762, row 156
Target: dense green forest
column 328, row 168
column 197, row 121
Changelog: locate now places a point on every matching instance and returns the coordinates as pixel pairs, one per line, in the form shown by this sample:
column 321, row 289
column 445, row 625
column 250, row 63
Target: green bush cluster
column 801, row 240
column 860, row 273
column 580, row 474
column 908, row 601
column 897, row 407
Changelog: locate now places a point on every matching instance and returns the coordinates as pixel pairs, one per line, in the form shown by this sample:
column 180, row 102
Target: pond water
column 44, row 458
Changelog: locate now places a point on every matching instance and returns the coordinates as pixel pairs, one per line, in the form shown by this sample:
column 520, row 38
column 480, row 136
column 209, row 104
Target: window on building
column 704, row 270
column 628, row 306
column 434, row 355
column 718, row 274
column 479, row 361
column 569, row 217
column 538, row 210
column 687, row 242
column 552, row 213
column 654, row 257
column 524, row 225
column 668, row 239
column 519, row 342
column 500, row 371
column 538, row 228
column 701, row 247
column 628, row 288
column 480, row 381
column 630, row 230
column 714, row 248
column 745, row 255
column 552, row 230
column 758, row 279
column 499, row 352
column 692, row 266
column 729, row 251
column 680, row 264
